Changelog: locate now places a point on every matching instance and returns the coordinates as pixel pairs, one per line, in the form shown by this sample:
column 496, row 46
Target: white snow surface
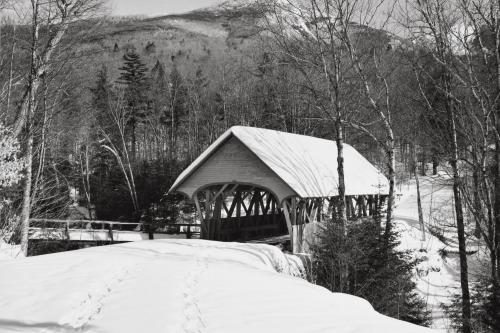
column 305, row 163
column 9, row 251
column 437, row 276
column 177, row 286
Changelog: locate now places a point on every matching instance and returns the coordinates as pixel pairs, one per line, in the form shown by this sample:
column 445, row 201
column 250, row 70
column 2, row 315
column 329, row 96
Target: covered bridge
column 254, row 183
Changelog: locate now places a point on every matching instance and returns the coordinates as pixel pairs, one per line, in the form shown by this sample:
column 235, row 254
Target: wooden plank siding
column 235, row 163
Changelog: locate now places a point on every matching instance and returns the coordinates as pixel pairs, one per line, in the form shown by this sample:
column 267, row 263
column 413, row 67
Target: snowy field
column 177, row 286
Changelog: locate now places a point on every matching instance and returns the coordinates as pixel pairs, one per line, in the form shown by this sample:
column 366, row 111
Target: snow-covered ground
column 438, row 275
column 9, row 252
column 177, row 286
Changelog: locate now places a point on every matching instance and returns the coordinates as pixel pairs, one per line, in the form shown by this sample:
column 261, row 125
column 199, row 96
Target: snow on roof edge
column 300, row 162
column 199, row 160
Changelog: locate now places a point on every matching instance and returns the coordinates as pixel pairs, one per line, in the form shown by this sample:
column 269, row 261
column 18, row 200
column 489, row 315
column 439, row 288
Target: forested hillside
column 190, row 77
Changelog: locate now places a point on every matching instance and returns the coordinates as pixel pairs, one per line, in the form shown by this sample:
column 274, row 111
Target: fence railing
column 112, row 226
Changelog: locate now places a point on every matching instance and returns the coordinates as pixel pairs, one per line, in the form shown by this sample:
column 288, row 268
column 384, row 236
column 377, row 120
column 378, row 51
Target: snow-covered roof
column 307, row 164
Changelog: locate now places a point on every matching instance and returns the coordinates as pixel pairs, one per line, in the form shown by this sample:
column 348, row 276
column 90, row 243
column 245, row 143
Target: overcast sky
column 157, row 7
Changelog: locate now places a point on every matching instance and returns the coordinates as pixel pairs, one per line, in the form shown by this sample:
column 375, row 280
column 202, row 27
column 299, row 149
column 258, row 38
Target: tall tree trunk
column 33, row 82
column 462, row 250
column 464, row 276
column 496, row 206
column 419, row 200
column 25, row 211
column 477, row 200
column 391, row 173
column 435, row 161
column 39, row 64
column 424, row 163
column 134, row 141
column 11, row 67
column 340, row 170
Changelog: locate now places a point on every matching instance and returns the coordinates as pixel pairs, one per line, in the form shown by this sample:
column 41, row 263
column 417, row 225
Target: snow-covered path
column 437, row 277
column 176, row 286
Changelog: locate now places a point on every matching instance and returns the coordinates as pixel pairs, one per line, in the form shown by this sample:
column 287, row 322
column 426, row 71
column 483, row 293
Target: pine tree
column 177, row 106
column 160, row 91
column 365, row 264
column 178, row 96
column 101, row 94
column 133, row 77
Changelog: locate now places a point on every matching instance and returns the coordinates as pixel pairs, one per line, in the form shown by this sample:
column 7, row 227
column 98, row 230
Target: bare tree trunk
column 40, row 63
column 496, row 208
column 25, row 212
column 462, row 250
column 424, row 163
column 30, row 109
column 134, row 141
column 419, row 201
column 11, row 67
column 391, row 174
column 477, row 200
column 419, row 207
column 340, row 170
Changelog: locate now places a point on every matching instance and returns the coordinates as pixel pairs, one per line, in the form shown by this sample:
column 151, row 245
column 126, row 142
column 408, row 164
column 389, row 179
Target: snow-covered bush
column 11, row 167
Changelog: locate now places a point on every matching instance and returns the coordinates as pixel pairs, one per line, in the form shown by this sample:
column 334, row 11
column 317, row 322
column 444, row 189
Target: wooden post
column 352, row 199
column 286, row 213
column 208, row 215
column 66, row 231
column 202, row 219
column 216, row 221
column 238, row 207
column 363, row 205
column 296, row 233
column 348, row 207
column 359, row 199
column 110, row 232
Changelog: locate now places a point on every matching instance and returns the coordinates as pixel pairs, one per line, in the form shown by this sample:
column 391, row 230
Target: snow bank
column 9, row 251
column 176, row 286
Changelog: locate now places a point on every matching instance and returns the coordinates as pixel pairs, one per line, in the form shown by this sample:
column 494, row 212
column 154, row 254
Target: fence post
column 110, row 231
column 66, row 230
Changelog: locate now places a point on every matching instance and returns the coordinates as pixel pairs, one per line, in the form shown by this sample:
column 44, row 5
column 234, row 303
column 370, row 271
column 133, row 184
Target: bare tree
column 118, row 146
column 308, row 41
column 58, row 15
column 436, row 21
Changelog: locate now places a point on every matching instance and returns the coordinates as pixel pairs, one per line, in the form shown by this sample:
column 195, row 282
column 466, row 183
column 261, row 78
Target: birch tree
column 57, row 16
column 436, row 19
column 308, row 41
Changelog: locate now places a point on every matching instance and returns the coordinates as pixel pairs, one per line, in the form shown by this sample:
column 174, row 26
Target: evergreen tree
column 133, row 77
column 178, row 96
column 177, row 106
column 159, row 76
column 101, row 94
column 160, row 91
column 363, row 263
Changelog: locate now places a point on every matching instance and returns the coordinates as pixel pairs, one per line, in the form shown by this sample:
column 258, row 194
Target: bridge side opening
column 237, row 212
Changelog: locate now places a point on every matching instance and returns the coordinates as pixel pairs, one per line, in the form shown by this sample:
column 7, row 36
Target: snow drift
column 176, row 286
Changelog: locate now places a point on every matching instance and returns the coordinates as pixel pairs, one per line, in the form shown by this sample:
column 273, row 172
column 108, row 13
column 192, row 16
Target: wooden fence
column 110, row 231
